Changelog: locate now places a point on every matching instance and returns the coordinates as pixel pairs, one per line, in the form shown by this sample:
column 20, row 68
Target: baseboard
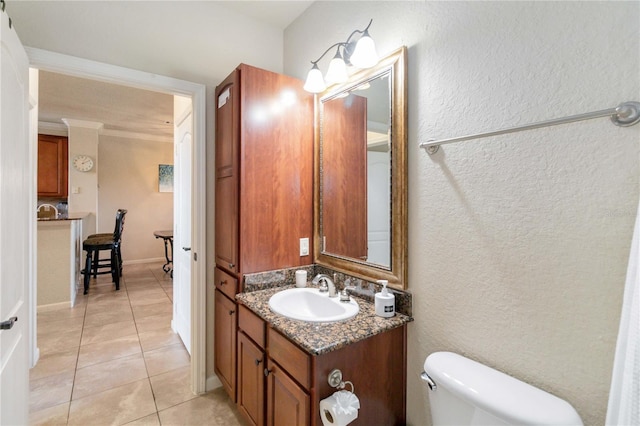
column 137, row 261
column 212, row 383
column 36, row 358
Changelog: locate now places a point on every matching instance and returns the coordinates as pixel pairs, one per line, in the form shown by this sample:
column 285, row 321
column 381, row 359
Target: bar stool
column 96, row 260
column 107, row 242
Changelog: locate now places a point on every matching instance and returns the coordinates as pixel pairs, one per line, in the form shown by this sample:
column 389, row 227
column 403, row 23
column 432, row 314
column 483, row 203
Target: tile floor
column 113, row 360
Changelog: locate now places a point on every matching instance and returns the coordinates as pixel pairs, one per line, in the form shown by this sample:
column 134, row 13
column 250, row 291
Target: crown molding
column 133, row 135
column 50, row 128
column 71, row 122
column 59, row 129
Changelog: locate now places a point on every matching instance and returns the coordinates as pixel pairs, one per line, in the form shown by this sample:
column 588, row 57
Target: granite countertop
column 70, row 216
column 320, row 338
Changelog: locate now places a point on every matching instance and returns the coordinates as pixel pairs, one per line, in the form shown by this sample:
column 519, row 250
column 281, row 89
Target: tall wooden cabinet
column 263, row 184
column 53, row 166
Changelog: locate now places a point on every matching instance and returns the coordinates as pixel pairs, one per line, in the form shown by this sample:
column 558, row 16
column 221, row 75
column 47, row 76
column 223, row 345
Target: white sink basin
column 308, row 304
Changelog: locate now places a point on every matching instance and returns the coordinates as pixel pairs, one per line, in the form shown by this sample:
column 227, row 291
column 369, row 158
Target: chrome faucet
column 344, row 295
column 326, row 284
column 44, row 208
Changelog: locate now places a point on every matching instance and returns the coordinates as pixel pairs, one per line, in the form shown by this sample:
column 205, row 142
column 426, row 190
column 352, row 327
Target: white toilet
column 465, row 392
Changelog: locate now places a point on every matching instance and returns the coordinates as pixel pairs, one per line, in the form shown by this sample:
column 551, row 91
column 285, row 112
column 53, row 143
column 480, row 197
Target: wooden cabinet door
column 227, row 175
column 276, row 171
column 287, row 403
column 250, row 380
column 53, row 166
column 344, row 186
column 225, row 342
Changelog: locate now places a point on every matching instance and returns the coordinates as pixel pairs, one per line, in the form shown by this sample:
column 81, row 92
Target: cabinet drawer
column 290, row 357
column 252, row 325
column 226, row 283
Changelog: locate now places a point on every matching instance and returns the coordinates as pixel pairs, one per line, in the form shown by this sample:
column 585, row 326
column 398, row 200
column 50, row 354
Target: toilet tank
column 469, row 393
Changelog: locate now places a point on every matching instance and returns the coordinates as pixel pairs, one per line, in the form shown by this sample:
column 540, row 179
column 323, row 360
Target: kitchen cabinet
column 263, row 184
column 53, row 166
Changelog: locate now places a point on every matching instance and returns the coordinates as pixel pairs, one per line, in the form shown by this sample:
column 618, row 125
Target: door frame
column 85, row 68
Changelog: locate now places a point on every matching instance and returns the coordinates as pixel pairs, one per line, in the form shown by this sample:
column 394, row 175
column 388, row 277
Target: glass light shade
column 314, row 82
column 337, row 72
column 364, row 55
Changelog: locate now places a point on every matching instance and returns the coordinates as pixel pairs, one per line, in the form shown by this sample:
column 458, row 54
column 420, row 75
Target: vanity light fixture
column 360, row 54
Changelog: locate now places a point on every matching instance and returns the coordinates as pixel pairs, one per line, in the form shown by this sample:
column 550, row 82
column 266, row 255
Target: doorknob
column 8, row 324
column 186, row 248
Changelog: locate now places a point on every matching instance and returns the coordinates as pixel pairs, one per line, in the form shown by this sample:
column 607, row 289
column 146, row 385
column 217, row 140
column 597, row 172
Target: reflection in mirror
column 356, row 172
column 361, row 174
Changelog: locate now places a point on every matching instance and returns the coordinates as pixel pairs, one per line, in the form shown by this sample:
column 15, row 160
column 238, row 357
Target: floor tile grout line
column 75, row 371
column 144, row 359
column 90, row 302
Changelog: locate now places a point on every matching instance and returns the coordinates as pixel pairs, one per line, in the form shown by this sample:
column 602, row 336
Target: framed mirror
column 360, row 202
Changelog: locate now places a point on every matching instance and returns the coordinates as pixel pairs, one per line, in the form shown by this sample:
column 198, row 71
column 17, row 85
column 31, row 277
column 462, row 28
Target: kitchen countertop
column 70, row 216
column 320, row 338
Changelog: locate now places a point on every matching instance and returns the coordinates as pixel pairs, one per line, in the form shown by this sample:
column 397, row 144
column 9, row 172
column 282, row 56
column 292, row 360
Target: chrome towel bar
column 624, row 115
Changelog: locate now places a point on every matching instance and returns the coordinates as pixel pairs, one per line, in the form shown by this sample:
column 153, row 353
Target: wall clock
column 82, row 163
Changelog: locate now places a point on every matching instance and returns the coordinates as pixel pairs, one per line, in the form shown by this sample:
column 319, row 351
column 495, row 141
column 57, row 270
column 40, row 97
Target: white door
column 16, row 214
column 379, row 207
column 182, row 229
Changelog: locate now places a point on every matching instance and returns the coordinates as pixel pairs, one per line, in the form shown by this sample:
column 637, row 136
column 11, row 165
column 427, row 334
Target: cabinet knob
column 258, row 361
column 223, row 282
column 231, row 312
column 231, row 265
column 266, row 372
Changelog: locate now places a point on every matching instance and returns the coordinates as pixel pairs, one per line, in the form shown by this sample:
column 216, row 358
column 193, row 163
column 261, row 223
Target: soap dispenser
column 385, row 302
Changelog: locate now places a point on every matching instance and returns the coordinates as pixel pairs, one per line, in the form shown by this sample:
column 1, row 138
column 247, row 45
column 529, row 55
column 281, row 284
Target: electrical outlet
column 304, row 246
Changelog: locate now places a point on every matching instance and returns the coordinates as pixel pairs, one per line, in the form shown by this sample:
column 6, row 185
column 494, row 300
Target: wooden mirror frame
column 396, row 274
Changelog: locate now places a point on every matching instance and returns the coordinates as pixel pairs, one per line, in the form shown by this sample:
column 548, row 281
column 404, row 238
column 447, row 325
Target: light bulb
column 337, row 72
column 315, row 82
column 364, row 55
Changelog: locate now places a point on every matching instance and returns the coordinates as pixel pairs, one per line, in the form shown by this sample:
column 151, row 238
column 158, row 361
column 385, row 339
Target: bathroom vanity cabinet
column 225, row 329
column 281, row 383
column 264, row 190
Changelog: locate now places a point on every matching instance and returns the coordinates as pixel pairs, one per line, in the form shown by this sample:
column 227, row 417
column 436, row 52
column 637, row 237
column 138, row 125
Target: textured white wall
column 518, row 244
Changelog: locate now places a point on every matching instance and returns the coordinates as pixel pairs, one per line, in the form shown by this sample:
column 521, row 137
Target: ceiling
column 118, row 108
column 277, row 13
column 134, row 111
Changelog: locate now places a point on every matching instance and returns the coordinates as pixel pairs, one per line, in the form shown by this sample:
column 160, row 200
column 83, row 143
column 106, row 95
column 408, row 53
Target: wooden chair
column 96, row 260
column 96, row 243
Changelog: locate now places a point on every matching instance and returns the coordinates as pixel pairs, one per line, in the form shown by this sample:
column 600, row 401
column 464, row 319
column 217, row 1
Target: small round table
column 167, row 237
